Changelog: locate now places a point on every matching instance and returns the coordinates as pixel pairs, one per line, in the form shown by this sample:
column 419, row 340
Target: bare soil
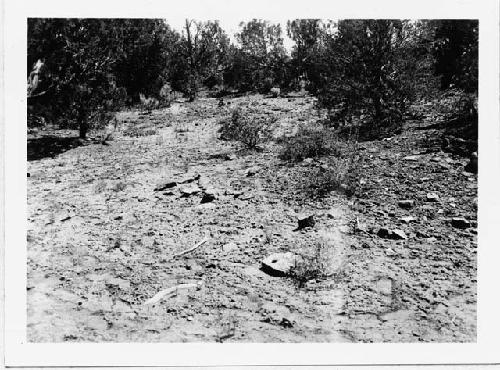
column 102, row 240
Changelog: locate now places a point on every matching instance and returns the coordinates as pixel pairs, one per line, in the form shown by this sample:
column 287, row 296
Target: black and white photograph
column 252, row 179
column 307, row 181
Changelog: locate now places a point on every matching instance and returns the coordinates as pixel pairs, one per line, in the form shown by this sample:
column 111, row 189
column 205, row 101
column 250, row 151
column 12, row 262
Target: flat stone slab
column 279, row 264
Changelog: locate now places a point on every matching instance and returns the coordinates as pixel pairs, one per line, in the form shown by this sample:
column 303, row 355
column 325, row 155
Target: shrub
column 245, row 127
column 339, row 174
column 148, row 104
column 275, row 92
column 322, row 257
column 165, row 96
column 316, row 262
column 369, row 71
column 309, row 143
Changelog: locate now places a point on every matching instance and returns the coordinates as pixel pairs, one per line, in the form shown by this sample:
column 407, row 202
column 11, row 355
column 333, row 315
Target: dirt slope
column 102, row 240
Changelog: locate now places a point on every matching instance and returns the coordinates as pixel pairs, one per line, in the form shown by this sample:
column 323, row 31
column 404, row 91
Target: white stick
column 192, row 249
column 162, row 293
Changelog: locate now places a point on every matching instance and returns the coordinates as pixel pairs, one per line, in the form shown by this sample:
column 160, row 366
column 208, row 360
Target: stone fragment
column 432, row 197
column 189, row 190
column 408, row 219
column 422, row 234
column 383, row 233
column 305, row 221
column 412, row 158
column 406, row 204
column 165, row 185
column 398, row 235
column 472, row 165
column 209, row 195
column 391, row 234
column 460, row 223
column 252, row 171
column 279, row 264
column 188, row 177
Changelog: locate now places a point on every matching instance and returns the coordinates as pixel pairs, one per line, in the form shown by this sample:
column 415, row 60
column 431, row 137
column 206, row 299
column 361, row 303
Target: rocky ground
column 111, row 232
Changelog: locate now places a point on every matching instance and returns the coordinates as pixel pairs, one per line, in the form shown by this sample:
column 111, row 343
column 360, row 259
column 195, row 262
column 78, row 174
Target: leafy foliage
column 247, row 126
column 367, row 74
column 309, row 143
column 364, row 73
column 259, row 63
column 456, row 53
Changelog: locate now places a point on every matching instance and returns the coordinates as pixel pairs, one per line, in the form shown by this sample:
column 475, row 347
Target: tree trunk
column 84, row 127
column 83, row 124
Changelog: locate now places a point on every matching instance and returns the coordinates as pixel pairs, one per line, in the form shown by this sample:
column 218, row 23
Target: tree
column 455, row 50
column 80, row 55
column 308, row 35
column 200, row 57
column 261, row 58
column 142, row 62
column 456, row 53
column 365, row 73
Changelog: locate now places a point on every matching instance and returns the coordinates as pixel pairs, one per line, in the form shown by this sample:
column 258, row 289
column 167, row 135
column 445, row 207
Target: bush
column 165, row 96
column 339, row 174
column 318, row 260
column 148, row 104
column 275, row 92
column 309, row 143
column 245, row 127
column 369, row 68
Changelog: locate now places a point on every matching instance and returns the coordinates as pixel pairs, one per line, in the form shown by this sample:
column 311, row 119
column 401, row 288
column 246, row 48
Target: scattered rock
column 245, row 196
column 422, row 234
column 187, row 191
column 472, row 165
column 391, row 234
column 306, row 221
column 252, row 171
column 279, row 264
column 406, row 204
column 397, row 234
column 460, row 223
column 209, row 195
column 383, row 233
column 165, row 185
column 408, row 219
column 412, row 158
column 432, row 197
column 63, row 216
column 187, row 178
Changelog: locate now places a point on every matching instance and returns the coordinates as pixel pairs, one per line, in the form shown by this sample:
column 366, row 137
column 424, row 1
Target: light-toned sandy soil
column 102, row 240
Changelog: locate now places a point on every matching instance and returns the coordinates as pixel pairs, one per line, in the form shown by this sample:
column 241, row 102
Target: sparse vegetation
column 314, row 263
column 246, row 126
column 138, row 131
column 338, row 174
column 119, row 186
column 310, row 143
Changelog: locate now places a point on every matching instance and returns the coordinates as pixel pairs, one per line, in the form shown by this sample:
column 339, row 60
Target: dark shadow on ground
column 50, row 146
